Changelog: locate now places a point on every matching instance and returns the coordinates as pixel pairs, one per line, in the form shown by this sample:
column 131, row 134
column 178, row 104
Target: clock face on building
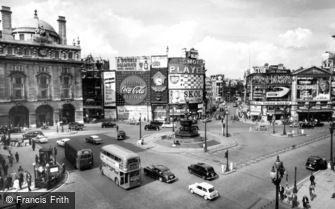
column 42, row 52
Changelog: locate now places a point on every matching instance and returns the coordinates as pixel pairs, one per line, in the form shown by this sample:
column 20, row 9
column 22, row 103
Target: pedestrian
column 20, row 179
column 36, row 159
column 305, row 202
column 312, row 179
column 312, row 191
column 288, row 193
column 16, row 184
column 10, row 159
column 33, row 145
column 29, row 181
column 5, row 169
column 281, row 192
column 17, row 157
column 294, row 200
column 20, row 169
column 9, row 182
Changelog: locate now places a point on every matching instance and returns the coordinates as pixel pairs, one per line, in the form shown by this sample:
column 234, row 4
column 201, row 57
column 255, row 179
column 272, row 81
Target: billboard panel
column 134, row 112
column 186, row 81
column 159, row 62
column 109, row 89
column 181, row 96
column 159, row 82
column 139, row 63
column 132, row 88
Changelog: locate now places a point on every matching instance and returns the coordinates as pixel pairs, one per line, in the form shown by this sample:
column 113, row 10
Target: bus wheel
column 102, row 172
column 116, row 181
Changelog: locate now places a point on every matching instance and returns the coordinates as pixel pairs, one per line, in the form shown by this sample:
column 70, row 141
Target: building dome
column 33, row 25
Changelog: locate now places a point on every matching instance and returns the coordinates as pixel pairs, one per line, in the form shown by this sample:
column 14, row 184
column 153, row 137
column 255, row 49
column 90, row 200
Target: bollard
column 231, row 166
column 223, row 168
column 302, row 131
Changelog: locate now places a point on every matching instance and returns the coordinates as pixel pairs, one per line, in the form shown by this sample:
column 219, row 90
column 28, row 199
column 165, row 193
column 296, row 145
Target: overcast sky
column 230, row 35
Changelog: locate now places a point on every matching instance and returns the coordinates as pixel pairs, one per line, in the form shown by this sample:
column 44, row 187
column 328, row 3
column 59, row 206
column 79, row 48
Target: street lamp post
column 173, row 119
column 205, row 145
column 140, row 126
column 284, row 120
column 331, row 129
column 277, row 172
column 273, row 123
column 295, row 190
column 227, row 123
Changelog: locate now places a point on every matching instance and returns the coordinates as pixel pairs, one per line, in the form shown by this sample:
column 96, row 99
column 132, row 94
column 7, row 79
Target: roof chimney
column 62, row 29
column 6, row 16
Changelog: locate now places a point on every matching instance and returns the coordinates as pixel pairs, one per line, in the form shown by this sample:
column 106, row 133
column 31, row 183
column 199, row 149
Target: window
column 9, row 50
column 56, row 54
column 22, row 37
column 26, row 52
column 66, row 84
column 18, row 87
column 43, row 81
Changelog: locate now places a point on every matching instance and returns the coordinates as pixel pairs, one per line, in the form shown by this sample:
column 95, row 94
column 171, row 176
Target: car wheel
column 190, row 171
column 160, row 179
column 203, row 177
column 205, row 197
column 117, row 182
column 191, row 190
column 102, row 172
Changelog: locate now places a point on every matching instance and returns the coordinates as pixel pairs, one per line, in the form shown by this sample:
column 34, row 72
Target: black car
column 316, row 163
column 203, row 170
column 76, row 126
column 32, row 134
column 156, row 122
column 108, row 124
column 121, row 135
column 160, row 172
column 151, row 127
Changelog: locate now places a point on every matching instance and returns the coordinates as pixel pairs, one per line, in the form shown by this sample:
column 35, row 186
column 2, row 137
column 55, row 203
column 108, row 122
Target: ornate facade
column 40, row 75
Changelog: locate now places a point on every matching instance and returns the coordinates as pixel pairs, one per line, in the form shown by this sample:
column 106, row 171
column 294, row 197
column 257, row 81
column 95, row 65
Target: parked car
column 309, row 124
column 108, row 124
column 121, row 135
column 160, row 172
column 204, row 189
column 203, row 170
column 76, row 126
column 316, row 163
column 168, row 125
column 32, row 134
column 156, row 122
column 151, row 127
column 94, row 139
column 294, row 124
column 40, row 139
column 61, row 142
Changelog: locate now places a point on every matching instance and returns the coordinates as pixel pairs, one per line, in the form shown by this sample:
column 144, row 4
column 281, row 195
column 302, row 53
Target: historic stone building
column 40, row 75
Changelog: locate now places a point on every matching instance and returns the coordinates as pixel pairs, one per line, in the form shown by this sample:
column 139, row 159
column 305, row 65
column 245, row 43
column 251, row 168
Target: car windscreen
column 210, row 170
column 211, row 189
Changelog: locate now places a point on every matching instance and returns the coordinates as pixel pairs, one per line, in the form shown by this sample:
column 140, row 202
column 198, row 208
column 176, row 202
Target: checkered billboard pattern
column 186, row 81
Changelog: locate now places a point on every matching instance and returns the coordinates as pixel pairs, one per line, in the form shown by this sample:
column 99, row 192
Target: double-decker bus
column 121, row 165
column 78, row 155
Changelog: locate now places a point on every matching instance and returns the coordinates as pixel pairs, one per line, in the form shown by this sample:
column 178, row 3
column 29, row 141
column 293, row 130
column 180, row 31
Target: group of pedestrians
column 16, row 180
column 292, row 198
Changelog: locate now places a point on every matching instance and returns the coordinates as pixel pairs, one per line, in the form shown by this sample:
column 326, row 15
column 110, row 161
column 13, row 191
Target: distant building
column 92, row 83
column 218, row 84
column 40, row 76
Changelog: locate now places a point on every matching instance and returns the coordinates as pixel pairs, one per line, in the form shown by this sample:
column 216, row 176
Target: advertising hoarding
column 134, row 112
column 132, row 88
column 186, row 81
column 181, row 96
column 159, row 82
column 109, row 89
column 159, row 62
column 139, row 63
column 318, row 90
column 159, row 112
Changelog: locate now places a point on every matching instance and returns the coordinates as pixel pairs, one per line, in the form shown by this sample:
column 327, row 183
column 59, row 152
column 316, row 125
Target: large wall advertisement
column 134, row 112
column 310, row 88
column 109, row 89
column 186, row 80
column 139, row 63
column 132, row 88
column 159, row 80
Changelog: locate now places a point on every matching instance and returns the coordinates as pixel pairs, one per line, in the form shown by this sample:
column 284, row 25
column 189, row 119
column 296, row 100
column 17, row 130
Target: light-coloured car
column 94, row 139
column 204, row 189
column 168, row 125
column 40, row 139
column 61, row 142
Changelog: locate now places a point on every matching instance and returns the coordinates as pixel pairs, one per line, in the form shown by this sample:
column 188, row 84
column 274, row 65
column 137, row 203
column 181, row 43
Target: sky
column 230, row 35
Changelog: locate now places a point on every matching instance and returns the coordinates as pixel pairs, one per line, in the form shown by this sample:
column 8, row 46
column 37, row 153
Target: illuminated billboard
column 109, row 89
column 139, row 63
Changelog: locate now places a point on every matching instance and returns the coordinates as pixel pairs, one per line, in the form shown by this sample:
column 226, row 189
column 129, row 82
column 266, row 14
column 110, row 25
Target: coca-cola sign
column 133, row 90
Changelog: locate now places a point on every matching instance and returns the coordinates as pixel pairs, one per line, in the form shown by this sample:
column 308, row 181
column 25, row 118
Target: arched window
column 18, row 86
column 66, row 81
column 43, row 81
